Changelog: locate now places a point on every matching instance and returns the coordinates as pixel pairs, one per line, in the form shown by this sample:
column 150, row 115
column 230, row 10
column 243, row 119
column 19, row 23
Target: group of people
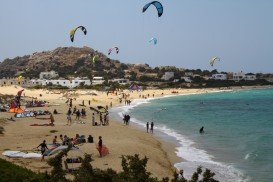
column 150, row 127
column 78, row 114
column 65, row 140
column 126, row 119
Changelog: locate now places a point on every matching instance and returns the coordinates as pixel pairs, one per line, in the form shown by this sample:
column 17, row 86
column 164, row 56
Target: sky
column 189, row 33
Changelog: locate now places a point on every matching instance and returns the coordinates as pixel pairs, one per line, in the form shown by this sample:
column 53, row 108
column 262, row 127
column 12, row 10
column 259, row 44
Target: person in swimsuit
column 201, row 131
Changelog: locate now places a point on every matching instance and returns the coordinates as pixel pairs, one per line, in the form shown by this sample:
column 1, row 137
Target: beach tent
column 16, row 110
column 134, row 87
column 59, row 149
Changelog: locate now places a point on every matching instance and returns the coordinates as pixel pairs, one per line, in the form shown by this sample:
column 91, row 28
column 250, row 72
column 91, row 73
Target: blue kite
column 158, row 6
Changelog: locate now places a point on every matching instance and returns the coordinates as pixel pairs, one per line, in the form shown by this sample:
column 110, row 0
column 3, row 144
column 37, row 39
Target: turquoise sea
column 238, row 141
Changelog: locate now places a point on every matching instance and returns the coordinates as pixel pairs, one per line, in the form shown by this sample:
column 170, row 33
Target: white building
column 238, row 76
column 48, row 75
column 186, row 78
column 63, row 82
column 97, row 80
column 188, row 73
column 77, row 81
column 121, row 81
column 250, row 76
column 219, row 77
column 168, row 75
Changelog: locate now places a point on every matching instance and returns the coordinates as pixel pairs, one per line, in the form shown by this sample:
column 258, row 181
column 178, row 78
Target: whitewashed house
column 186, row 78
column 219, row 77
column 168, row 75
column 48, row 75
column 238, row 76
column 77, row 81
column 97, row 80
column 121, row 81
column 250, row 76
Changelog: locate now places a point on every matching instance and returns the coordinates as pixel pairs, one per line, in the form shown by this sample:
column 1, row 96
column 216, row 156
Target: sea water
column 238, row 141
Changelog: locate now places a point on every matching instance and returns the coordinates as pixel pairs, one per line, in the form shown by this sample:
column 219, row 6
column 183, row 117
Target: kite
column 158, row 6
column 95, row 58
column 73, row 31
column 154, row 40
column 20, row 78
column 212, row 61
column 111, row 49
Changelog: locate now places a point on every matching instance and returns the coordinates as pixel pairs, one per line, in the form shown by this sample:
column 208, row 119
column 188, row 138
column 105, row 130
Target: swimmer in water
column 201, row 131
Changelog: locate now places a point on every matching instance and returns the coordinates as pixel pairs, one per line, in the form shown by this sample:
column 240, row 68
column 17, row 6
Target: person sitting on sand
column 61, row 138
column 43, row 149
column 66, row 140
column 55, row 141
column 55, row 111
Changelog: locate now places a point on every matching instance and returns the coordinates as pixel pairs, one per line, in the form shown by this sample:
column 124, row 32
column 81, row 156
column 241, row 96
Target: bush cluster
column 133, row 170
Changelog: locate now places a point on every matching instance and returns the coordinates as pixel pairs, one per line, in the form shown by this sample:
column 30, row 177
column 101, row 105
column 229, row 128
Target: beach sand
column 120, row 139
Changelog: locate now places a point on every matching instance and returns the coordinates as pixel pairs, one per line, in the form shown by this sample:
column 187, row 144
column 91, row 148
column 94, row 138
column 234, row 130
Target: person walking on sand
column 147, row 127
column 69, row 120
column 78, row 113
column 100, row 146
column 93, row 119
column 152, row 127
column 89, row 102
column 43, row 149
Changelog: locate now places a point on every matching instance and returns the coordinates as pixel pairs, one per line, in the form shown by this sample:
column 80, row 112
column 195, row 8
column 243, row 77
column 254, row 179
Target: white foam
column 186, row 148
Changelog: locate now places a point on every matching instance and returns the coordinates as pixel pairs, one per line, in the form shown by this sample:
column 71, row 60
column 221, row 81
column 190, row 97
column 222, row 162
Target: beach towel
column 104, row 150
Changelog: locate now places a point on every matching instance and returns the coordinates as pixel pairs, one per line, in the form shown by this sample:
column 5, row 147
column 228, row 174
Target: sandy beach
column 119, row 138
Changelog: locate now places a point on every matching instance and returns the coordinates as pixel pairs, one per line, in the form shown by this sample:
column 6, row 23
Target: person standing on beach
column 152, row 127
column 93, row 119
column 89, row 102
column 43, row 149
column 147, row 127
column 70, row 104
column 78, row 113
column 69, row 120
column 100, row 146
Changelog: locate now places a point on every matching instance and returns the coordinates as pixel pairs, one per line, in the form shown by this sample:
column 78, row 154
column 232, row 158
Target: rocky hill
column 67, row 61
